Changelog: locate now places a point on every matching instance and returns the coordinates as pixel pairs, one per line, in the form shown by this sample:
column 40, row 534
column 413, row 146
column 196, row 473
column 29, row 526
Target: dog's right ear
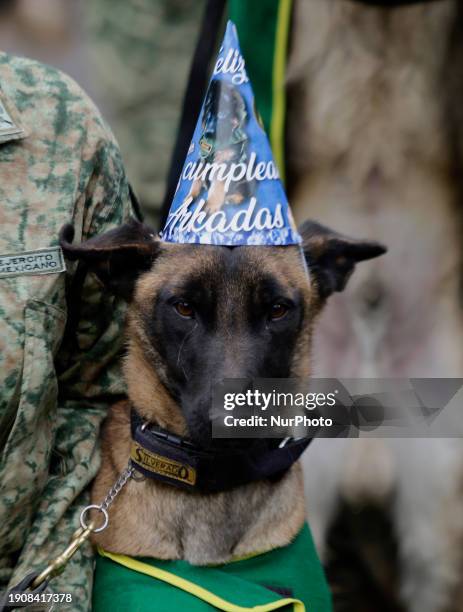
column 117, row 257
column 332, row 257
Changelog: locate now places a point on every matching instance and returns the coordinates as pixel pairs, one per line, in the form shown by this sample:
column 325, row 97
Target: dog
column 198, row 314
column 223, row 141
column 374, row 142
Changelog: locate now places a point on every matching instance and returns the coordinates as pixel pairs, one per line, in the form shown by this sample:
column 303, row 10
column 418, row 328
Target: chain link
column 85, row 530
column 117, row 487
column 111, row 495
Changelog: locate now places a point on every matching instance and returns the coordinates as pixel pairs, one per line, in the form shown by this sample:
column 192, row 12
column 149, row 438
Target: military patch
column 8, row 128
column 41, row 261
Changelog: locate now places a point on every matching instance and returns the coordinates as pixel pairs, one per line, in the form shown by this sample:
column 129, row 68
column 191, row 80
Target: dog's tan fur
column 157, row 520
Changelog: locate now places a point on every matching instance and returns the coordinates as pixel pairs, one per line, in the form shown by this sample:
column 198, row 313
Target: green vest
column 143, row 585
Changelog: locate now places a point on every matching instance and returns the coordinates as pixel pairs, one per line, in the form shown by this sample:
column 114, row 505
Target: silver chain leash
column 111, row 495
column 57, row 565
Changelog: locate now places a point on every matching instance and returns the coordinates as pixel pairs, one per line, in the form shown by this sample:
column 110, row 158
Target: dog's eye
column 278, row 311
column 184, row 309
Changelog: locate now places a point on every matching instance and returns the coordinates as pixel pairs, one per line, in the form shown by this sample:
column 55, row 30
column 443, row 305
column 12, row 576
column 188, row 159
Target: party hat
column 229, row 192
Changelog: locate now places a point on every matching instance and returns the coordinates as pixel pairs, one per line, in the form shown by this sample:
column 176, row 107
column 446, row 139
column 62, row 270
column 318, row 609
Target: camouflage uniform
column 58, row 163
column 140, row 55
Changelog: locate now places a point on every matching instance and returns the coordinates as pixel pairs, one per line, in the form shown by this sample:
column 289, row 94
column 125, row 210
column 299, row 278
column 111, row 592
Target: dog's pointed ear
column 117, row 257
column 331, row 257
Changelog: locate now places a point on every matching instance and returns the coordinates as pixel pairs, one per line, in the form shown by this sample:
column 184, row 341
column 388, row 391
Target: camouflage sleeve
column 89, row 381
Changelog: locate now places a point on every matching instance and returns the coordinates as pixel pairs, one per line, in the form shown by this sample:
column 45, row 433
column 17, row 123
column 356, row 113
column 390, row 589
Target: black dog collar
column 171, row 459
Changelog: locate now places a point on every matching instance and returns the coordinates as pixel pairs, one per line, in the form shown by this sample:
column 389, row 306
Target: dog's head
column 224, row 117
column 199, row 313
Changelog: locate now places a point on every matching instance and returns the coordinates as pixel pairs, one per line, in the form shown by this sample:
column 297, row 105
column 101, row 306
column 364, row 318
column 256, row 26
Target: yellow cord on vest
column 197, row 591
column 279, row 98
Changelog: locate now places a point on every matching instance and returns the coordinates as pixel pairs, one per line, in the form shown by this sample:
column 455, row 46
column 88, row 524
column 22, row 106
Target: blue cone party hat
column 230, row 192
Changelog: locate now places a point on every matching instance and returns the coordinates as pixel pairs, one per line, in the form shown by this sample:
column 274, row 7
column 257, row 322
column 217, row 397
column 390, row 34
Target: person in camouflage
column 60, row 335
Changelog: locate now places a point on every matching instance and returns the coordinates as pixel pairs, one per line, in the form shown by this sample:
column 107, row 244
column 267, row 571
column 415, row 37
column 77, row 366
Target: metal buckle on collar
column 167, row 436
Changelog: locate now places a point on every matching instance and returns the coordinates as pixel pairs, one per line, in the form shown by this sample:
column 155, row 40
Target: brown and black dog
column 199, row 314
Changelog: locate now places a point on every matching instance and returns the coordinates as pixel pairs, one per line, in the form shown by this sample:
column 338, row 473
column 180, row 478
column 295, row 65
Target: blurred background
column 374, row 148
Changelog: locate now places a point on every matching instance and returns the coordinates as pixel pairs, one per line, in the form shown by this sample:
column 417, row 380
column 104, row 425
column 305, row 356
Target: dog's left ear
column 117, row 257
column 331, row 257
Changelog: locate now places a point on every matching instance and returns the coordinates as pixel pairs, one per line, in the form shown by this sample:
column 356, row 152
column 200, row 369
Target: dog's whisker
column 186, row 336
